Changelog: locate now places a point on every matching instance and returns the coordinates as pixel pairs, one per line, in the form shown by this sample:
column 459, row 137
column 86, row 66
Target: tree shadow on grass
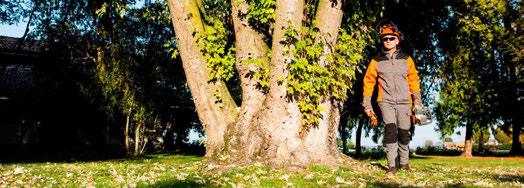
column 382, row 167
column 385, row 184
column 507, row 178
column 177, row 183
column 58, row 156
column 63, row 156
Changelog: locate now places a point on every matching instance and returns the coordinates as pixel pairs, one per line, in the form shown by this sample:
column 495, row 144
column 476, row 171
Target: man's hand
column 372, row 117
column 418, row 108
column 369, row 112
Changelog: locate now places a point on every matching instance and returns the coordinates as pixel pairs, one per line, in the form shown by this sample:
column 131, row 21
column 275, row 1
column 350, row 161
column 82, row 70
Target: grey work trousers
column 397, row 122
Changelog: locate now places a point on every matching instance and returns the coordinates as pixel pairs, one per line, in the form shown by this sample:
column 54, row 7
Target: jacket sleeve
column 370, row 79
column 413, row 82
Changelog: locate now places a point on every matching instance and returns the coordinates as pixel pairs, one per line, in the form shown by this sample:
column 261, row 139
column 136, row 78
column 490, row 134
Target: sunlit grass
column 165, row 170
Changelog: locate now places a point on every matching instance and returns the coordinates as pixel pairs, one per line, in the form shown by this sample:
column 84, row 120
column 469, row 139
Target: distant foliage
column 502, row 137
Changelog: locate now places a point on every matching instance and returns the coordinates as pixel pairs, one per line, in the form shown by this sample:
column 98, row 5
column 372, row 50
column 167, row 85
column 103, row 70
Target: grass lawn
column 165, row 170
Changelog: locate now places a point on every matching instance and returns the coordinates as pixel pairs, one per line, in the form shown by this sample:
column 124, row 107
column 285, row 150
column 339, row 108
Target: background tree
column 501, row 136
column 481, row 137
column 475, row 68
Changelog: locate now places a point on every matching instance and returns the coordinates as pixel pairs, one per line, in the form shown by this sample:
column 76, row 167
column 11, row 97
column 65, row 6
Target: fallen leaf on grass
column 201, row 181
column 483, row 183
column 284, row 177
column 216, row 183
column 239, row 185
column 181, row 176
column 19, row 170
column 339, row 180
column 256, row 180
column 309, row 176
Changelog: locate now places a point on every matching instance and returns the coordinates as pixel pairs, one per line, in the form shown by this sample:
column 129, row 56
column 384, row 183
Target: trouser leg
column 404, row 135
column 391, row 132
column 397, row 124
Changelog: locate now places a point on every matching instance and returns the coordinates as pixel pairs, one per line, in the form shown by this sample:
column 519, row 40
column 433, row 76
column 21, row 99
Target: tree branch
column 21, row 41
column 328, row 20
column 287, row 10
column 213, row 114
column 250, row 45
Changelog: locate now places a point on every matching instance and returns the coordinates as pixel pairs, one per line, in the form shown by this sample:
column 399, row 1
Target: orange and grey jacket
column 397, row 79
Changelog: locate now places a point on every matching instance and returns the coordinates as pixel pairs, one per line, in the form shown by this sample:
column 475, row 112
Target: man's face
column 390, row 41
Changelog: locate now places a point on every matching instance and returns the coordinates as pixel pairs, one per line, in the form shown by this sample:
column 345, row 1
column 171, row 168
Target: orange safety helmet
column 389, row 29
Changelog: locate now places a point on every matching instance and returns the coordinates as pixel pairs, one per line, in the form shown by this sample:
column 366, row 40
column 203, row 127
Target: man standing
column 397, row 81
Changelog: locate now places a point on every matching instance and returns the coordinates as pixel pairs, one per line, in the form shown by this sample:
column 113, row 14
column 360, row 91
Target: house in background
column 38, row 113
column 16, row 87
column 454, row 146
column 42, row 109
column 492, row 142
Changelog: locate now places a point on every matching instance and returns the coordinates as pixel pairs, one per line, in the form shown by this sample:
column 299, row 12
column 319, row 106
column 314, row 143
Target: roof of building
column 16, row 80
column 11, row 45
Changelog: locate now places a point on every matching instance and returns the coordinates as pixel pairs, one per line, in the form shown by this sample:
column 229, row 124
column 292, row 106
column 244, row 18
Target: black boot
column 405, row 167
column 391, row 171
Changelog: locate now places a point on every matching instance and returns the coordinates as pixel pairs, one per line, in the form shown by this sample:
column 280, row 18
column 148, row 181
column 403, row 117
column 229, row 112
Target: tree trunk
column 266, row 127
column 126, row 133
column 481, row 141
column 468, row 146
column 515, row 105
column 214, row 115
column 358, row 147
column 516, row 113
column 169, row 139
column 137, row 139
column 342, row 128
column 343, row 137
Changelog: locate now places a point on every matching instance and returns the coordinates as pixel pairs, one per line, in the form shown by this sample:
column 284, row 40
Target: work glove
column 369, row 112
column 372, row 116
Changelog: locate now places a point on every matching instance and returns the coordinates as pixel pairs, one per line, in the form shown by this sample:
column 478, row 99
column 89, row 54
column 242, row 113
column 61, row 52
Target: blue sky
column 422, row 133
column 13, row 30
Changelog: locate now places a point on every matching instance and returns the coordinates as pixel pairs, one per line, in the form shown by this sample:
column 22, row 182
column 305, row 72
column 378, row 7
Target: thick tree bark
column 267, row 126
column 214, row 116
column 468, row 145
column 251, row 45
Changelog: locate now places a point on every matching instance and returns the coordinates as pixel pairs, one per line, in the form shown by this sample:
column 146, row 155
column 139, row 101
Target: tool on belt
column 421, row 116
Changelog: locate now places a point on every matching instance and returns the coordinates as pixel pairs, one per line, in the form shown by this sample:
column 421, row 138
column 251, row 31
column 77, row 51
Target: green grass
column 165, row 170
